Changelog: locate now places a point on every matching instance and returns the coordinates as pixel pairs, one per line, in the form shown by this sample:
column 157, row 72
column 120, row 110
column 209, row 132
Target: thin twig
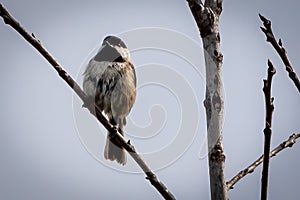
column 288, row 143
column 8, row 19
column 267, row 131
column 267, row 29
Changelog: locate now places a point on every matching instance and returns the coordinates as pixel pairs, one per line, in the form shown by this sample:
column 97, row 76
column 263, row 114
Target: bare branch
column 207, row 19
column 8, row 19
column 287, row 143
column 267, row 131
column 267, row 29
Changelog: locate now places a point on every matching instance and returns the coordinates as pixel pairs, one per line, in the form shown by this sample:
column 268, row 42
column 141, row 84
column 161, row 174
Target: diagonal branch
column 267, row 29
column 8, row 19
column 267, row 131
column 287, row 143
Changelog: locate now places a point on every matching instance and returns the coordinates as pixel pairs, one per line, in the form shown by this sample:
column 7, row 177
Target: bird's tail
column 114, row 151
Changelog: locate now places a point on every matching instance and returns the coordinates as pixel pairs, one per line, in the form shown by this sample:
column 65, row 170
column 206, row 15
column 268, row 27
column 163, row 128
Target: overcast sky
column 51, row 148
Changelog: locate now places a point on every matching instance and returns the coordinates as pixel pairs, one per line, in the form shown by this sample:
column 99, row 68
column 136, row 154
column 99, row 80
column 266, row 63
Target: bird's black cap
column 113, row 40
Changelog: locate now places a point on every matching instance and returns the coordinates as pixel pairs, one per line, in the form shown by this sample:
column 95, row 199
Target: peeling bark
column 207, row 19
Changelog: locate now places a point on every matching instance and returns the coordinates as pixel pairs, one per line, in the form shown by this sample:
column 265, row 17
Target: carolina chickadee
column 110, row 81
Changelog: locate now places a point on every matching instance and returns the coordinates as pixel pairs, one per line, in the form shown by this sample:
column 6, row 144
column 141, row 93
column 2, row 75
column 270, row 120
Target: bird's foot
column 114, row 131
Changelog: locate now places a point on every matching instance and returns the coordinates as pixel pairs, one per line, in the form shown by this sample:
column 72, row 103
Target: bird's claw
column 115, row 130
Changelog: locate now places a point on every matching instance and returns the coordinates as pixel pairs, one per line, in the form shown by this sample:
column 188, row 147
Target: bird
column 109, row 81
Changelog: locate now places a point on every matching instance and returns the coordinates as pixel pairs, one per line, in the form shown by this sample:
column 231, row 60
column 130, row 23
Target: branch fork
column 205, row 15
column 267, row 29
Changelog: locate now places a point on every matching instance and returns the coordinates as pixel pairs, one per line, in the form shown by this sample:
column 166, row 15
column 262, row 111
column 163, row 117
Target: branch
column 204, row 15
column 207, row 19
column 8, row 19
column 287, row 143
column 267, row 29
column 267, row 131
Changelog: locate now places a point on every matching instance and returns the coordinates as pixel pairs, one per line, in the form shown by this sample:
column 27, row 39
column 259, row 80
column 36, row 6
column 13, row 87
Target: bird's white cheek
column 123, row 52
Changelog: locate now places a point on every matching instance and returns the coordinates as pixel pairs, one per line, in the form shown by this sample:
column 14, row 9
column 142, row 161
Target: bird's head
column 113, row 49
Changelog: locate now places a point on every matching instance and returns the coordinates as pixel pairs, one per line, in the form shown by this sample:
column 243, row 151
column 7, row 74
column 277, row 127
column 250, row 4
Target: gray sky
column 53, row 149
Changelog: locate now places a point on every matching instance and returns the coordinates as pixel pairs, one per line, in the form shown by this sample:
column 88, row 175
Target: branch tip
column 280, row 42
column 271, row 69
column 270, row 64
column 264, row 30
column 278, row 46
column 262, row 18
column 266, row 22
